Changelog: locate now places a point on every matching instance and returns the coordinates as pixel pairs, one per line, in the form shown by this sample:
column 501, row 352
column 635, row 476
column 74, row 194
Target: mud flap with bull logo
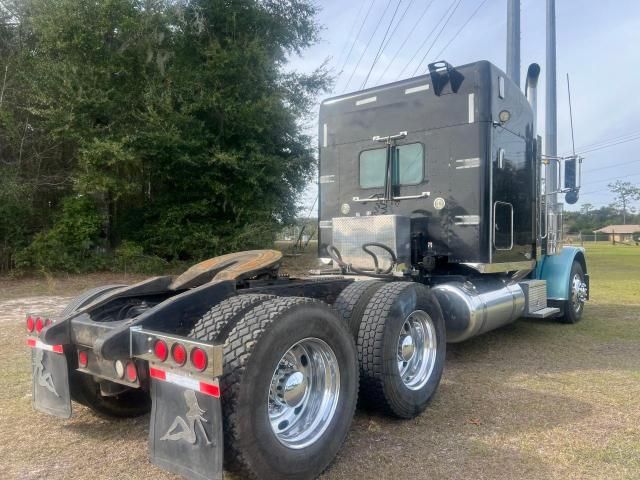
column 185, row 435
column 50, row 383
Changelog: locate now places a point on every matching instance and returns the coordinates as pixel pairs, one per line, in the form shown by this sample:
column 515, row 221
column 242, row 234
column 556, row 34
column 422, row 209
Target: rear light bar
column 182, row 356
column 123, row 371
column 35, row 323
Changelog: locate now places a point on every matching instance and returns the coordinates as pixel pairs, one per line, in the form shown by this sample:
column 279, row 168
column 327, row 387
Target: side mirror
column 571, row 173
column 571, row 180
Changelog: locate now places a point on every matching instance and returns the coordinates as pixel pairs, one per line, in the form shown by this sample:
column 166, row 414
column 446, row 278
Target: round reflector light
column 31, row 323
column 83, row 359
column 39, row 325
column 179, row 353
column 160, row 350
column 132, row 373
column 119, row 366
column 199, row 358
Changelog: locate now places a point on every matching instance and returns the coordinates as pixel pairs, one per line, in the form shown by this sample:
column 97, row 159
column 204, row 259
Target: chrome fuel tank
column 471, row 309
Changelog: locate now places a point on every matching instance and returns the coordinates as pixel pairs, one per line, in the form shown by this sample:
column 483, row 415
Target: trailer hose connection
column 335, row 255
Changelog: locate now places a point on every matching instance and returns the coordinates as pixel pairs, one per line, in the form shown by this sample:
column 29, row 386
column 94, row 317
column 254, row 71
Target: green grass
column 615, row 273
column 536, row 399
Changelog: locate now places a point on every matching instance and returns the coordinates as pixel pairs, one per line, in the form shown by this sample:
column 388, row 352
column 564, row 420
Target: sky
column 598, row 45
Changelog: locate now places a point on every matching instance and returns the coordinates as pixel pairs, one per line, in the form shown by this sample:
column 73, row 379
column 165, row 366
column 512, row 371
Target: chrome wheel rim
column 578, row 292
column 303, row 394
column 417, row 350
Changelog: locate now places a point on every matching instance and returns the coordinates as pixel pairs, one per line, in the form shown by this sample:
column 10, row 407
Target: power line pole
column 513, row 40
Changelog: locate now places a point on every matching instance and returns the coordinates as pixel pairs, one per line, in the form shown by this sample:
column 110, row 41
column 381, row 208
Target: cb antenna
column 573, row 142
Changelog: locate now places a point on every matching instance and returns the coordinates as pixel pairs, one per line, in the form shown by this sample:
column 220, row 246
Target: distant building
column 619, row 233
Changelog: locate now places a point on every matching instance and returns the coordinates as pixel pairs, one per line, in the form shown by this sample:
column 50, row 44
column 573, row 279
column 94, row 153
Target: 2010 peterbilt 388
column 434, row 227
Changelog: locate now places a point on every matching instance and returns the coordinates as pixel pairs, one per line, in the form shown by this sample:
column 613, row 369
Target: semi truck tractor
column 437, row 223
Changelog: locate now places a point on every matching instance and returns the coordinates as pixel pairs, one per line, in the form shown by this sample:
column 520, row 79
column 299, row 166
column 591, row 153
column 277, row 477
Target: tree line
column 165, row 129
column 622, row 210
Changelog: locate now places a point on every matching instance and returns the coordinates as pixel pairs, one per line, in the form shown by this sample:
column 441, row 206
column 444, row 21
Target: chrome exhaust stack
column 531, row 92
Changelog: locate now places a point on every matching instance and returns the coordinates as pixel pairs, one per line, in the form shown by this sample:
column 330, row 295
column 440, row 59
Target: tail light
column 132, row 372
column 199, row 358
column 83, row 359
column 179, row 354
column 39, row 325
column 31, row 324
column 160, row 350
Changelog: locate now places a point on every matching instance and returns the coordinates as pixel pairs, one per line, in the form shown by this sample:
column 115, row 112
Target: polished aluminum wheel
column 304, row 393
column 417, row 350
column 578, row 292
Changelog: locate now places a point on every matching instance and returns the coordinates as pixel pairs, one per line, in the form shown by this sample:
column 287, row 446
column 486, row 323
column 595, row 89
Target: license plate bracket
column 50, row 383
column 185, row 435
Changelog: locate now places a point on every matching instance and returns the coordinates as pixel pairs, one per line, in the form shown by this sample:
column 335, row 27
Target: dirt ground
column 536, row 399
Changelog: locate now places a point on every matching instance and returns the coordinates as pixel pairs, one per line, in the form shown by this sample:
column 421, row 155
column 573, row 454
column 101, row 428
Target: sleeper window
column 409, row 169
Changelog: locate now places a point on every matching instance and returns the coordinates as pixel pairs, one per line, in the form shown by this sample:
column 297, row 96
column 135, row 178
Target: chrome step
column 535, row 293
column 543, row 313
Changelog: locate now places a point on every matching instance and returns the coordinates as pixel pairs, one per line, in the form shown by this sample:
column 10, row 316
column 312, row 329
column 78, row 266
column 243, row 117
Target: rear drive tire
column 217, row 323
column 289, row 389
column 85, row 390
column 353, row 300
column 401, row 349
column 574, row 307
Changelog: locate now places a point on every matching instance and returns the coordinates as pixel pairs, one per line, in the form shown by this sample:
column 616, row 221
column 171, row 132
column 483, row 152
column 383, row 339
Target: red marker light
column 199, row 358
column 179, row 354
column 47, row 322
column 31, row 324
column 83, row 359
column 39, row 325
column 160, row 350
column 132, row 372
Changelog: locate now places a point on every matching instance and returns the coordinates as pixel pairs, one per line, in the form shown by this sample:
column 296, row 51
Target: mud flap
column 185, row 435
column 50, row 383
